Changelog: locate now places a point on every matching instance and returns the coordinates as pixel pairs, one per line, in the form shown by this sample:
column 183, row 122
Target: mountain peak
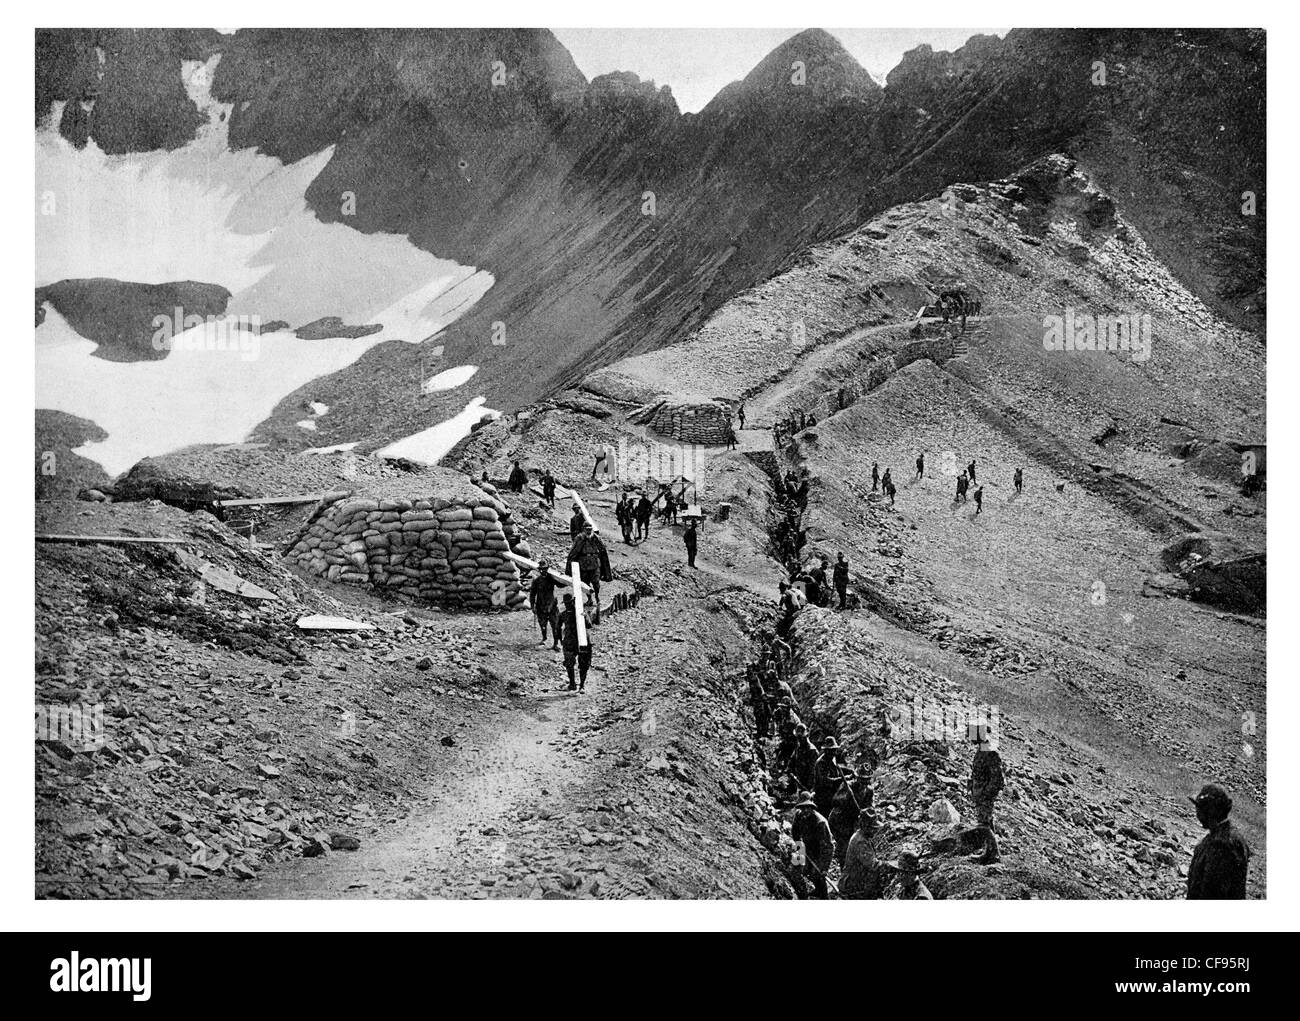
column 811, row 63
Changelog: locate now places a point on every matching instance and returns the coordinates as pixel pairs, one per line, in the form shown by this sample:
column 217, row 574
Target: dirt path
column 550, row 798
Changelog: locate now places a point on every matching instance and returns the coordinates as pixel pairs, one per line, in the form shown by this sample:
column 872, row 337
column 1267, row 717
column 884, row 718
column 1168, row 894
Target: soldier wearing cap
column 828, row 772
column 907, row 885
column 1220, row 861
column 812, row 831
column 860, row 871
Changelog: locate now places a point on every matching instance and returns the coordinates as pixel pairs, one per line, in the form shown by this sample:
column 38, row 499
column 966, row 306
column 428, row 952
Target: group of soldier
column 832, row 801
column 785, row 429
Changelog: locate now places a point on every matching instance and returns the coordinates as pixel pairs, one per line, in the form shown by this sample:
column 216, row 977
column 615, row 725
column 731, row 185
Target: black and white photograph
column 674, row 464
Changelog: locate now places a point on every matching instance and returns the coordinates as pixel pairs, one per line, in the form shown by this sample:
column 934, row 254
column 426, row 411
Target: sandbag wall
column 704, row 422
column 439, row 550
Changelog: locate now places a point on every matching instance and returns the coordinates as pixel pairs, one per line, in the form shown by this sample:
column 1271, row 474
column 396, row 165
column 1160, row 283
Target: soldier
column 962, row 483
column 920, row 465
column 853, row 797
column 731, row 437
column 644, row 511
column 576, row 523
column 548, row 487
column 979, row 500
column 788, row 604
column 907, row 885
column 887, row 480
column 970, row 469
column 604, row 461
column 1221, row 859
column 592, row 558
column 875, row 476
column 1020, row 479
column 811, row 830
column 986, row 782
column 740, row 414
column 803, row 760
column 572, row 650
column 840, row 577
column 817, row 583
column 828, row 774
column 518, row 479
column 623, row 515
column 860, row 872
column 891, row 489
column 690, row 539
column 789, row 739
column 546, row 608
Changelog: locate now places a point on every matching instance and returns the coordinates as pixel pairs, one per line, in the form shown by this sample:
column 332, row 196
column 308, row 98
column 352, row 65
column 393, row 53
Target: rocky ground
column 435, row 754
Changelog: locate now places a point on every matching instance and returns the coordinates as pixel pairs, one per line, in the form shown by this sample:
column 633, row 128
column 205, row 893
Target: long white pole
column 578, row 604
column 532, row 565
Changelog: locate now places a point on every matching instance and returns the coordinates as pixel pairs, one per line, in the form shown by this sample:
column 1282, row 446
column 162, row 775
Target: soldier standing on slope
column 840, row 577
column 986, row 782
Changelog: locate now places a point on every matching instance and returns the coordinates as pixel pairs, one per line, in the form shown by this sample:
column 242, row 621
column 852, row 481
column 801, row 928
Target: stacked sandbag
column 439, row 549
column 699, row 421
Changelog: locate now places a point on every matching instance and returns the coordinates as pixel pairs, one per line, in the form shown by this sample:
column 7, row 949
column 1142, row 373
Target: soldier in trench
column 853, row 797
column 829, row 772
column 814, row 844
column 861, row 873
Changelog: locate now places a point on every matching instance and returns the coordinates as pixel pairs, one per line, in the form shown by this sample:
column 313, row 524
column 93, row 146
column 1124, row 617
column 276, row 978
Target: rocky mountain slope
column 489, row 147
column 1101, row 609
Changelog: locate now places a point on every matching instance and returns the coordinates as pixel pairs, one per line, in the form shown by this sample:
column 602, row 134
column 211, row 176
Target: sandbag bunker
column 446, row 546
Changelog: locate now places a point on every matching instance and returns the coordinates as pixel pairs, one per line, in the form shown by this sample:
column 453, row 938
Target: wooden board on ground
column 111, row 538
column 258, row 501
column 323, row 622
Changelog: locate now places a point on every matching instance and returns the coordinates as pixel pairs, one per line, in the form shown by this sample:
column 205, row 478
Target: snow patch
column 449, row 379
column 431, row 445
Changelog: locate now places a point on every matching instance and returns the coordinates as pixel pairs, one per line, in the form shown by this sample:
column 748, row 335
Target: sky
column 697, row 62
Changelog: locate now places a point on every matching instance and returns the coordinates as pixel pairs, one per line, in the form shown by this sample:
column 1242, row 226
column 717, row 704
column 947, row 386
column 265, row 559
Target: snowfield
column 237, row 219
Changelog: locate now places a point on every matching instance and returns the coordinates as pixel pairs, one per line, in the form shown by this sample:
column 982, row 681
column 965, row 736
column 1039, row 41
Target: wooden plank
column 42, row 537
column 532, row 565
column 258, row 501
column 321, row 622
column 579, row 614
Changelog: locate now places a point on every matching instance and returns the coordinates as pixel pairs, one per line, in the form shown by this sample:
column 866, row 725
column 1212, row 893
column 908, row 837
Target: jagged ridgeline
column 490, row 148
